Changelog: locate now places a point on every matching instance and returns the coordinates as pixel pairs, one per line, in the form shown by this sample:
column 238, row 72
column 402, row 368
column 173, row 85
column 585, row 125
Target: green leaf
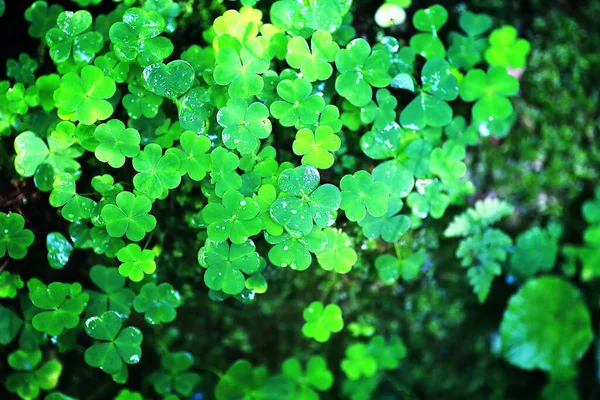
column 506, row 50
column 242, row 72
column 31, row 152
column 157, row 173
column 14, row 239
column 10, row 325
column 115, row 295
column 313, row 63
column 243, row 124
column 234, row 219
column 321, row 321
column 295, row 250
column 298, row 104
column 315, row 148
column 129, row 216
column 361, row 195
column 223, row 171
column 157, row 303
column 446, row 162
column 136, row 262
column 170, row 80
column 391, row 226
column 339, row 254
column 59, row 250
column 61, row 306
column 116, row 143
column 535, row 251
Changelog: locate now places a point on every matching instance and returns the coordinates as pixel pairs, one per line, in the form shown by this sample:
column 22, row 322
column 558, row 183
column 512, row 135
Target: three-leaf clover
column 129, row 216
column 489, row 91
column 243, row 124
column 298, row 104
column 315, row 148
column 116, row 143
column 84, row 96
column 157, row 303
column 242, row 71
column 156, row 172
column 446, row 162
column 361, row 194
column 76, row 207
column 316, row 376
column 14, row 239
column 59, row 249
column 234, row 219
column 359, row 70
column 391, row 226
column 170, row 80
column 339, row 254
column 306, row 201
column 314, row 63
column 506, row 50
column 115, row 296
column 116, row 347
column 135, row 262
column 226, row 265
column 321, row 321
column 61, row 304
column 294, row 250
column 223, row 170
column 429, row 108
column 175, row 377
column 196, row 161
column 70, row 36
column 428, row 200
column 31, row 377
column 429, row 21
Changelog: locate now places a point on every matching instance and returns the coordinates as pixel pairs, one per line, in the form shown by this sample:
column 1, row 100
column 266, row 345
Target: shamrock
column 321, row 321
column 140, row 102
column 243, row 380
column 129, row 216
column 169, row 9
column 10, row 323
column 85, row 95
column 324, row 14
column 41, row 18
column 390, row 226
column 242, row 72
column 46, row 85
column 294, row 250
column 175, row 377
column 231, row 23
column 23, row 70
column 429, row 21
column 76, row 207
column 381, row 114
column 135, row 262
column 223, row 171
column 314, row 65
column 136, row 38
column 70, row 36
column 116, row 143
column 116, row 347
column 34, row 157
column 14, row 239
column 157, row 172
column 31, row 376
column 458, row 131
column 298, row 104
column 110, row 64
column 61, row 304
column 398, row 178
column 391, row 268
column 225, row 265
column 234, row 219
column 196, row 161
column 359, row 70
column 59, row 250
column 428, row 200
column 306, row 202
column 123, row 394
column 446, row 162
column 115, row 296
column 467, row 51
column 171, row 80
column 506, row 50
column 360, row 194
column 19, row 102
column 244, row 125
column 339, row 254
column 194, row 109
column 490, row 91
column 10, row 284
column 158, row 303
column 429, row 108
column 317, row 375
column 315, row 147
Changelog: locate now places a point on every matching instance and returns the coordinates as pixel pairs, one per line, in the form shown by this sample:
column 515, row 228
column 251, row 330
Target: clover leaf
column 397, row 177
column 223, row 171
column 156, row 172
column 75, row 206
column 110, row 64
column 135, row 262
column 489, row 91
column 339, row 254
column 546, row 326
column 381, row 114
column 170, row 80
column 446, row 162
column 231, row 23
column 129, row 216
column 41, row 18
column 197, row 162
column 14, row 239
column 137, row 37
column 10, row 284
column 241, row 380
column 226, row 265
column 315, row 147
column 84, row 95
column 61, row 305
column 506, row 50
column 390, row 226
column 429, row 200
column 429, row 21
column 234, row 219
column 140, row 102
column 31, row 377
column 316, row 376
column 59, row 250
column 115, row 296
column 359, row 70
column 535, row 251
column 175, row 377
column 306, row 203
column 321, row 321
column 116, row 143
column 361, row 194
column 295, row 250
column 313, row 63
column 23, row 70
column 10, row 323
column 242, row 71
column 429, row 108
column 298, row 104
column 391, row 268
column 243, row 124
column 70, row 36
column 117, row 346
column 157, row 303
